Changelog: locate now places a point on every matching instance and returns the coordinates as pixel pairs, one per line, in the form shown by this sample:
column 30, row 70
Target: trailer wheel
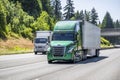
column 97, row 53
column 35, row 53
column 49, row 62
column 84, row 57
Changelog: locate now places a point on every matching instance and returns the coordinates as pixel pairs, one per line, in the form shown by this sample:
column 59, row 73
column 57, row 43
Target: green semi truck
column 73, row 41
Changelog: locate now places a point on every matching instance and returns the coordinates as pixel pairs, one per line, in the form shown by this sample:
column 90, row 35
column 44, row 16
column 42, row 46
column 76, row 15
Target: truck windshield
column 40, row 40
column 63, row 36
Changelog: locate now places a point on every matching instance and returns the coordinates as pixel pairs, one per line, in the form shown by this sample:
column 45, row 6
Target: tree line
column 21, row 18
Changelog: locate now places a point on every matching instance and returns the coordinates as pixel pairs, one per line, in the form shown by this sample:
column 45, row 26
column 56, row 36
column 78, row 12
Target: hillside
column 13, row 46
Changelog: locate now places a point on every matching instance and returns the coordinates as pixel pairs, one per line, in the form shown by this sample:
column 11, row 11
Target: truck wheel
column 78, row 57
column 73, row 61
column 84, row 55
column 35, row 53
column 49, row 62
column 43, row 52
column 97, row 53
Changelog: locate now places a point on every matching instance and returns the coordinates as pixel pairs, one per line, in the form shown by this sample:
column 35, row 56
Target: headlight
column 48, row 49
column 70, row 50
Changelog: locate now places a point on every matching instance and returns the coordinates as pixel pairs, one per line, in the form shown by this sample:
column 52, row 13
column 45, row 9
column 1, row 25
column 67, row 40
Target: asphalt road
column 35, row 67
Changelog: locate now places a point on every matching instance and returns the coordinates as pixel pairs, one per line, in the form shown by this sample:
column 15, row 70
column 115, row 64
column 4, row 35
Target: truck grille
column 58, row 51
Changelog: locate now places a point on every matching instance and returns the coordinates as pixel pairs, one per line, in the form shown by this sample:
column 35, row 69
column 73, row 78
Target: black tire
column 35, row 53
column 78, row 57
column 43, row 52
column 84, row 55
column 97, row 53
column 49, row 62
column 73, row 60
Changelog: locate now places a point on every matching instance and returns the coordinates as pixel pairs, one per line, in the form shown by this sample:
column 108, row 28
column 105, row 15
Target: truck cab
column 41, row 41
column 41, row 45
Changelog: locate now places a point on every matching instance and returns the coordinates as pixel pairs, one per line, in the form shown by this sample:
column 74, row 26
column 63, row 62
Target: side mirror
column 47, row 43
column 48, row 39
column 76, row 41
column 75, row 37
column 32, row 41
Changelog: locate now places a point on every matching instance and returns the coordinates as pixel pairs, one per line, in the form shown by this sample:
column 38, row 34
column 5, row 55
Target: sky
column 101, row 6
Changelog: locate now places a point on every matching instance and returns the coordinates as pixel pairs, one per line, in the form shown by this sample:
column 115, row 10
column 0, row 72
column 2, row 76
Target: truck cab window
column 40, row 40
column 63, row 36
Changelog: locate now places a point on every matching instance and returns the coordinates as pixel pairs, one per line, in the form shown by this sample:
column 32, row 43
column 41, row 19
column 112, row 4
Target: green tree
column 17, row 19
column 44, row 22
column 81, row 15
column 69, row 10
column 77, row 15
column 46, row 6
column 2, row 22
column 87, row 15
column 107, row 21
column 35, row 7
column 57, row 9
column 32, row 7
column 94, row 16
column 117, row 24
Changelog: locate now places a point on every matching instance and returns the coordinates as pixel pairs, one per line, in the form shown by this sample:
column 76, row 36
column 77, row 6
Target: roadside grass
column 15, row 46
column 106, row 46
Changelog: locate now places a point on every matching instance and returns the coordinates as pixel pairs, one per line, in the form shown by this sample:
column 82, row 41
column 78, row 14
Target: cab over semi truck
column 41, row 41
column 74, row 40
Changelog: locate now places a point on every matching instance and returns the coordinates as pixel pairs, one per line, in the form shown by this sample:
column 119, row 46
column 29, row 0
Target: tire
column 84, row 55
column 78, row 57
column 73, row 60
column 35, row 53
column 43, row 52
column 97, row 53
column 49, row 62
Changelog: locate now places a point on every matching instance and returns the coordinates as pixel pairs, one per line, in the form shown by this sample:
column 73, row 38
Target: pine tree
column 94, row 16
column 57, row 9
column 107, row 21
column 81, row 15
column 117, row 24
column 77, row 15
column 69, row 10
column 46, row 6
column 86, row 15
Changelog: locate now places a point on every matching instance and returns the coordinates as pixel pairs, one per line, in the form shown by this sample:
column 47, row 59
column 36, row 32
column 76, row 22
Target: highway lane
column 35, row 67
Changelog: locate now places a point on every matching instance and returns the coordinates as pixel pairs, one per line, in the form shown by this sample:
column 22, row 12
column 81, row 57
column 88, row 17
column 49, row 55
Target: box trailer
column 74, row 40
column 41, row 41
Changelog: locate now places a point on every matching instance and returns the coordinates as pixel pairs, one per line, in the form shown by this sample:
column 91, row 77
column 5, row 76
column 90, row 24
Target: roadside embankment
column 15, row 46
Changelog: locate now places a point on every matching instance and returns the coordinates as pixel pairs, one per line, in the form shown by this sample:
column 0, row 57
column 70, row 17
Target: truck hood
column 61, row 43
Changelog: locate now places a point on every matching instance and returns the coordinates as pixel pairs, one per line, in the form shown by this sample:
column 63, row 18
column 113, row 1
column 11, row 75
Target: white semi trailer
column 41, row 41
column 91, row 38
